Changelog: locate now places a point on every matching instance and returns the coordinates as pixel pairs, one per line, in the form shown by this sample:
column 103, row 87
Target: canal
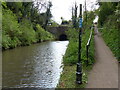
column 35, row 66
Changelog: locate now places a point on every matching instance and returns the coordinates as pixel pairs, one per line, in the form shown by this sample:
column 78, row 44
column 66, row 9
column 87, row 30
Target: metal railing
column 88, row 45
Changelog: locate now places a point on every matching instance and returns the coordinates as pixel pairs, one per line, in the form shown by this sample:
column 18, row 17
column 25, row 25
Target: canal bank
column 35, row 66
column 68, row 76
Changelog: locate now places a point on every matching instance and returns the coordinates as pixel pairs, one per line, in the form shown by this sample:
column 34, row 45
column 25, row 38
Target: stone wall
column 58, row 31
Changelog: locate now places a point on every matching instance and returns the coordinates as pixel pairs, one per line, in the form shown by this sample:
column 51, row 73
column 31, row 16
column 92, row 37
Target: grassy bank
column 68, row 77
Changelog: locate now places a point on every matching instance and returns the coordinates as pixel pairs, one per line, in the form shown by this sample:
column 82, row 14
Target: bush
column 42, row 35
column 109, row 17
column 6, row 41
column 71, row 56
column 10, row 30
column 110, row 34
column 16, row 34
column 28, row 34
column 106, row 9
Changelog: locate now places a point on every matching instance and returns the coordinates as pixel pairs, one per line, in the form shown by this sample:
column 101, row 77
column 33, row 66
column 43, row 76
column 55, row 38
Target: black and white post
column 79, row 65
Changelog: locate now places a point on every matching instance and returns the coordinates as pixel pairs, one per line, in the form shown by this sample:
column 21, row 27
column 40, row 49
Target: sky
column 63, row 8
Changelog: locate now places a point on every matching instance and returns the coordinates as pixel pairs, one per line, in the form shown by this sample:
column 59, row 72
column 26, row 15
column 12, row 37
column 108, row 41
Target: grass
column 68, row 77
column 110, row 35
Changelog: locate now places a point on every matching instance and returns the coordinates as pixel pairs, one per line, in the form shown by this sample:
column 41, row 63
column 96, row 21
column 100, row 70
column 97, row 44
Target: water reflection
column 33, row 66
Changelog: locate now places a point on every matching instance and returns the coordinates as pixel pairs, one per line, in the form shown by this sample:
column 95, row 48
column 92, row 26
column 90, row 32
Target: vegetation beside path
column 109, row 20
column 110, row 24
column 68, row 77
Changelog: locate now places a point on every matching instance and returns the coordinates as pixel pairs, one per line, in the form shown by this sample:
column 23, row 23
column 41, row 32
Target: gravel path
column 105, row 71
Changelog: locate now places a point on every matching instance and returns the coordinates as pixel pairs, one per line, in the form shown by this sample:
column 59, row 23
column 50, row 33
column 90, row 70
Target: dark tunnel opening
column 63, row 37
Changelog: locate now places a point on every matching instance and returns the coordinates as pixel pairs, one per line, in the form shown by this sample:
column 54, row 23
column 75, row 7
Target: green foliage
column 75, row 21
column 4, row 5
column 111, row 26
column 10, row 30
column 5, row 41
column 28, row 35
column 15, row 7
column 31, row 11
column 106, row 9
column 48, row 15
column 68, row 78
column 71, row 56
column 72, row 34
column 19, row 34
column 90, row 18
column 111, row 35
column 43, row 35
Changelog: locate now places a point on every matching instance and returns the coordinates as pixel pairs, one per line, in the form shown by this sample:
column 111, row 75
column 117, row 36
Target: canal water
column 35, row 66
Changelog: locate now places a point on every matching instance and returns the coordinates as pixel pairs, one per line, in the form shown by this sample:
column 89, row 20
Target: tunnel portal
column 63, row 37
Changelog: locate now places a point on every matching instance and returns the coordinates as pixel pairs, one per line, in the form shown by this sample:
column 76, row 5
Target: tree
column 85, row 12
column 74, row 16
column 33, row 11
column 48, row 14
column 106, row 9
